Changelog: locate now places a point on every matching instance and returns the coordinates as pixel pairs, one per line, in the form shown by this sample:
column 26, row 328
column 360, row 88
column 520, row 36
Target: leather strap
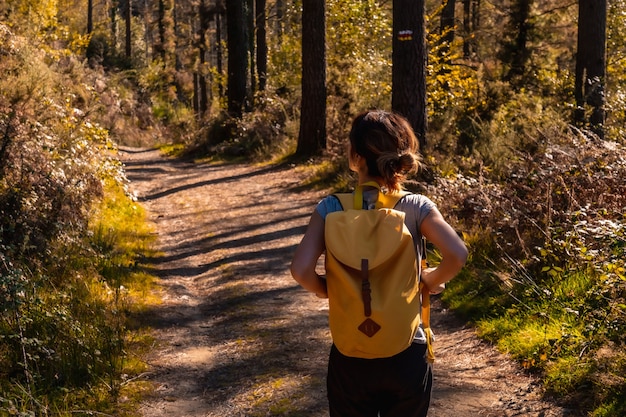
column 366, row 290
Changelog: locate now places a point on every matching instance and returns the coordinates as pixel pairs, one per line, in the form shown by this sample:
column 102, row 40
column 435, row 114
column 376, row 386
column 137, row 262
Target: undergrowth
column 546, row 280
column 71, row 245
column 539, row 203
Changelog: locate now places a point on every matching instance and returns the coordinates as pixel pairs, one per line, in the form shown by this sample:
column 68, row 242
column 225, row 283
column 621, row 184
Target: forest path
column 236, row 336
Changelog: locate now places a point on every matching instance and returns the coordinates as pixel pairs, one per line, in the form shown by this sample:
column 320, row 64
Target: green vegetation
column 539, row 201
column 71, row 242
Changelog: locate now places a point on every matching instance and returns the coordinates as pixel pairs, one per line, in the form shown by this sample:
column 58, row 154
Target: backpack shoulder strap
column 355, row 200
column 390, row 200
column 425, row 294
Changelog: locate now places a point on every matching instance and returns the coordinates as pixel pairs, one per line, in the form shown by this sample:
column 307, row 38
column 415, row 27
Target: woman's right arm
column 306, row 256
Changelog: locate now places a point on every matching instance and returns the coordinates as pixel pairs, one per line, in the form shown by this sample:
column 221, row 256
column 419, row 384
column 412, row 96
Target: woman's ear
column 353, row 161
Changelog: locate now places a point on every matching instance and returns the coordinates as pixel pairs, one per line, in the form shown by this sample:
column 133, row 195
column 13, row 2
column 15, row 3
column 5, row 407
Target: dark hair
column 388, row 144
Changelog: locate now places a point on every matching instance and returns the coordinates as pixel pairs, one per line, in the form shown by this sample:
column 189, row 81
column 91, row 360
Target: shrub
column 557, row 283
column 62, row 297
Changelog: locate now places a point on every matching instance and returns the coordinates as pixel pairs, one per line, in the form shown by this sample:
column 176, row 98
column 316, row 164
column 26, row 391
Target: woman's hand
column 432, row 288
column 324, row 294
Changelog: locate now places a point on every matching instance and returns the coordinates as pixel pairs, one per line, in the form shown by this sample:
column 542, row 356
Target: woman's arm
column 451, row 247
column 306, row 256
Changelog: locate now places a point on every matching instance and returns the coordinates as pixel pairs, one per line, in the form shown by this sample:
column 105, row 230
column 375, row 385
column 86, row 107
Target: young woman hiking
column 383, row 150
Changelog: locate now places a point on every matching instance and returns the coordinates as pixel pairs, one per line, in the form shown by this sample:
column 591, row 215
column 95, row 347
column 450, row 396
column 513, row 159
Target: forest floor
column 236, row 336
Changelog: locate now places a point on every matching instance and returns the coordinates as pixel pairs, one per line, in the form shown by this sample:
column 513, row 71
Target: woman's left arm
column 450, row 245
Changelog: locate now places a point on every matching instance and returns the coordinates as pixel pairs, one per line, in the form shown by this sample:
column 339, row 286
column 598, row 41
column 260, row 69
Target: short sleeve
column 328, row 205
column 416, row 207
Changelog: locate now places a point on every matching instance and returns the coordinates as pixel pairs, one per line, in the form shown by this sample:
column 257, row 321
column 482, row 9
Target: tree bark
column 516, row 52
column 408, row 75
column 591, row 63
column 261, row 44
column 237, row 56
column 250, row 22
column 467, row 29
column 160, row 47
column 89, row 16
column 113, row 17
column 219, row 53
column 128, row 17
column 280, row 15
column 447, row 24
column 203, row 102
column 312, row 135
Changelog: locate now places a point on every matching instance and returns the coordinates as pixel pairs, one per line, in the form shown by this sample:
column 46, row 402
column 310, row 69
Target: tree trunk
column 219, row 52
column 250, row 18
column 591, row 63
column 177, row 64
column 475, row 15
column 128, row 17
column 113, row 16
column 237, row 56
column 280, row 14
column 312, row 135
column 196, row 94
column 447, row 24
column 160, row 47
column 89, row 16
column 203, row 102
column 408, row 75
column 148, row 35
column 471, row 23
column 516, row 53
column 261, row 44
column 467, row 29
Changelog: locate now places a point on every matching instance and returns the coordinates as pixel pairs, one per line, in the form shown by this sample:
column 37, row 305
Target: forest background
column 522, row 131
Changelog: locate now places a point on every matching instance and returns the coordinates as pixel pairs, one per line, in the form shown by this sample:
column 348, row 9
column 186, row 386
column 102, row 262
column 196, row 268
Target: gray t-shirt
column 415, row 206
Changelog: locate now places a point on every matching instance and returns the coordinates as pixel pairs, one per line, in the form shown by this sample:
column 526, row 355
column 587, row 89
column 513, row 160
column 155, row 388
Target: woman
column 383, row 149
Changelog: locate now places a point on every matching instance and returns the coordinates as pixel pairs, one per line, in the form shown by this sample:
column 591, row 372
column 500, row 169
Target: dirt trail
column 236, row 335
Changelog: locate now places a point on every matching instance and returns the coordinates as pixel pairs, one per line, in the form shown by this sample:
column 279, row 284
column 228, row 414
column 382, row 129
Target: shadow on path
column 237, row 337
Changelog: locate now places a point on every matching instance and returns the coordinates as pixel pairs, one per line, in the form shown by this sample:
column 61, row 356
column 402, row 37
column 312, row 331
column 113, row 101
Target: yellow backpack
column 372, row 275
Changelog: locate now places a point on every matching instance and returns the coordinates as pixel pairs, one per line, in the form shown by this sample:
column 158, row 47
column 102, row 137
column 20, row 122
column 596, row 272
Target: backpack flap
column 375, row 235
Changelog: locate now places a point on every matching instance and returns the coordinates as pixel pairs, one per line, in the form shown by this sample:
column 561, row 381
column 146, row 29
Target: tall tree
column 128, row 18
column 237, row 56
column 312, row 135
column 219, row 12
column 113, row 17
column 447, row 24
column 408, row 74
column 280, row 15
column 162, row 29
column 202, row 93
column 89, row 16
column 471, row 13
column 251, row 21
column 515, row 52
column 591, row 63
column 261, row 44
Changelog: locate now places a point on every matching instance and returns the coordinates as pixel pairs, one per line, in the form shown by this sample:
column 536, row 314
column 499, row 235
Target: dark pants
column 398, row 386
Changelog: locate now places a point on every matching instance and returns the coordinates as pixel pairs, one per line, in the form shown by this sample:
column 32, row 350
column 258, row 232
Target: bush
column 62, row 297
column 557, row 282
